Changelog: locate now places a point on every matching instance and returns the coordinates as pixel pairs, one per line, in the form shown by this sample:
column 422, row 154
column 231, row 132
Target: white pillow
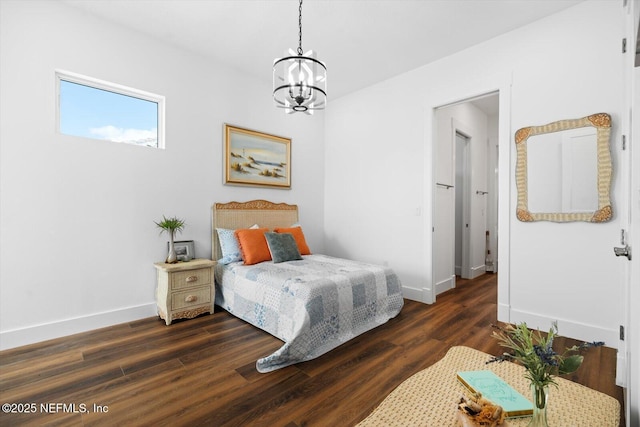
column 229, row 245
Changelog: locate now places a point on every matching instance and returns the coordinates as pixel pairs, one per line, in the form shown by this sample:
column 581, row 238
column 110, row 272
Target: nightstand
column 185, row 289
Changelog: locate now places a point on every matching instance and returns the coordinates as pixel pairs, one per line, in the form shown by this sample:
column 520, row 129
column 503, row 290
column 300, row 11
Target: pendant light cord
column 300, row 51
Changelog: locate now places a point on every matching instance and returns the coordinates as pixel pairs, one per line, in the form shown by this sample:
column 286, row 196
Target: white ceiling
column 361, row 41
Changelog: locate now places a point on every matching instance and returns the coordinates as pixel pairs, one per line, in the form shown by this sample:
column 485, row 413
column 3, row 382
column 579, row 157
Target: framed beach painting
column 256, row 158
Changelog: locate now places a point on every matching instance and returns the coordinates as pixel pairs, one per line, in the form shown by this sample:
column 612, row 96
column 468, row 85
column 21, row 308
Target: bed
column 312, row 302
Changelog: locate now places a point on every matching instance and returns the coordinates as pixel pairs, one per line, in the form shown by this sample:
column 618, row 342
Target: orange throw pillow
column 253, row 245
column 298, row 235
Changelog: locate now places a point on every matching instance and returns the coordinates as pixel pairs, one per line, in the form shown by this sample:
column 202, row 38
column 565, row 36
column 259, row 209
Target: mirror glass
column 563, row 171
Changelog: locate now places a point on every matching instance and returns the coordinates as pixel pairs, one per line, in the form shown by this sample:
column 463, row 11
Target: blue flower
column 546, row 355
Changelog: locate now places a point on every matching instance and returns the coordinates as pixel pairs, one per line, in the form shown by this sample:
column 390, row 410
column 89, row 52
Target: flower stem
column 541, row 397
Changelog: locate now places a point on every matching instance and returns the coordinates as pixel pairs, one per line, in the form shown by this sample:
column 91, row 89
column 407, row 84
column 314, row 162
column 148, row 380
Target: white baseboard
column 445, row 285
column 478, row 271
column 427, row 296
column 43, row 332
column 417, row 294
column 567, row 328
column 504, row 312
column 413, row 294
column 621, row 369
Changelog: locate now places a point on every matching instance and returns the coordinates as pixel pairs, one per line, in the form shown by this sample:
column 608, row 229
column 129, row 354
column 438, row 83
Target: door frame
column 629, row 348
column 500, row 83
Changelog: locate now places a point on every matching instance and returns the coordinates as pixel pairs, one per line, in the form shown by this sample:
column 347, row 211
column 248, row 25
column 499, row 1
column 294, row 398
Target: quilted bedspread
column 313, row 305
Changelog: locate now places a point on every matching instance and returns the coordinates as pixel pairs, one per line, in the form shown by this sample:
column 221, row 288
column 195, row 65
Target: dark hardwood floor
column 202, row 371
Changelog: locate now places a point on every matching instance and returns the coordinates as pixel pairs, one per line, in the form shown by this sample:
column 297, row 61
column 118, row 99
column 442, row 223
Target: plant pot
column 172, row 256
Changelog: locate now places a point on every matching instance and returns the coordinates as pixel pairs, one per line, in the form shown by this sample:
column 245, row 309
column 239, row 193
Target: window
column 96, row 109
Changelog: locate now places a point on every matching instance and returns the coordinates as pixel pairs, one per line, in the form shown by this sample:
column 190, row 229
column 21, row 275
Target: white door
column 477, row 200
column 463, row 176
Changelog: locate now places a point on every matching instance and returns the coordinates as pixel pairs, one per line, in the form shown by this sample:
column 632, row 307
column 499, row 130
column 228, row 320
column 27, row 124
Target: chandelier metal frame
column 299, row 81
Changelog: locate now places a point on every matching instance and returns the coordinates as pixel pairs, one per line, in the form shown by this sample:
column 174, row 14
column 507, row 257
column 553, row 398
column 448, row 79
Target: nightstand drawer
column 190, row 278
column 192, row 297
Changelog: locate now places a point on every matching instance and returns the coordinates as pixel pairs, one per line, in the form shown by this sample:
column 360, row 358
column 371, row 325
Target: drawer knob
column 192, row 279
column 191, row 298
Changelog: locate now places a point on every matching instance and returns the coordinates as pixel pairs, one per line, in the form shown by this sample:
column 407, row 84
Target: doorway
column 465, row 204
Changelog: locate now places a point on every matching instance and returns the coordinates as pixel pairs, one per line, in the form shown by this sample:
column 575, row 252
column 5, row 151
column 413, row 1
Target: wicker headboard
column 235, row 215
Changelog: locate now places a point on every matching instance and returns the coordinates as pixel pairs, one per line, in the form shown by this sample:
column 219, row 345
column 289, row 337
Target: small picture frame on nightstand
column 185, row 250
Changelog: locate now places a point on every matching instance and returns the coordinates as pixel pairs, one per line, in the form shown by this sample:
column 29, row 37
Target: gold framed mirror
column 563, row 170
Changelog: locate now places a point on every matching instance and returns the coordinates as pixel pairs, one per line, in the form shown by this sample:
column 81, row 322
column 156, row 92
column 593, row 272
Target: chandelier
column 299, row 81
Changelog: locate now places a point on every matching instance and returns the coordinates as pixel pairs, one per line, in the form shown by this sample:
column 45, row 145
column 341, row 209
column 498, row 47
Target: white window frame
column 115, row 88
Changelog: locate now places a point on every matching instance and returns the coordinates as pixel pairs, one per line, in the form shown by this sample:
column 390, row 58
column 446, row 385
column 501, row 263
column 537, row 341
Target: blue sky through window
column 100, row 114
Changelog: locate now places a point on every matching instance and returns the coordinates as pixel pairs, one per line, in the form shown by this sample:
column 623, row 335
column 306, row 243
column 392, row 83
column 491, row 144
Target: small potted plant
column 171, row 226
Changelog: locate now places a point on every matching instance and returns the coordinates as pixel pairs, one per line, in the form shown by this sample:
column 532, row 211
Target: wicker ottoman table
column 430, row 397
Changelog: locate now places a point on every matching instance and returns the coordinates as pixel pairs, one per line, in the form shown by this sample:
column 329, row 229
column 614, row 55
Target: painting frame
column 257, row 159
column 185, row 250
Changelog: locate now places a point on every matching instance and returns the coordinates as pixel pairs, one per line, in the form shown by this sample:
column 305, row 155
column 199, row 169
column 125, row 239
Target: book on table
column 497, row 391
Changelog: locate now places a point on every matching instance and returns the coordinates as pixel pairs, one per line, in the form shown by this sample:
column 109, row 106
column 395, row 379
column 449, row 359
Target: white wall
column 565, row 66
column 374, row 155
column 78, row 240
column 567, row 271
